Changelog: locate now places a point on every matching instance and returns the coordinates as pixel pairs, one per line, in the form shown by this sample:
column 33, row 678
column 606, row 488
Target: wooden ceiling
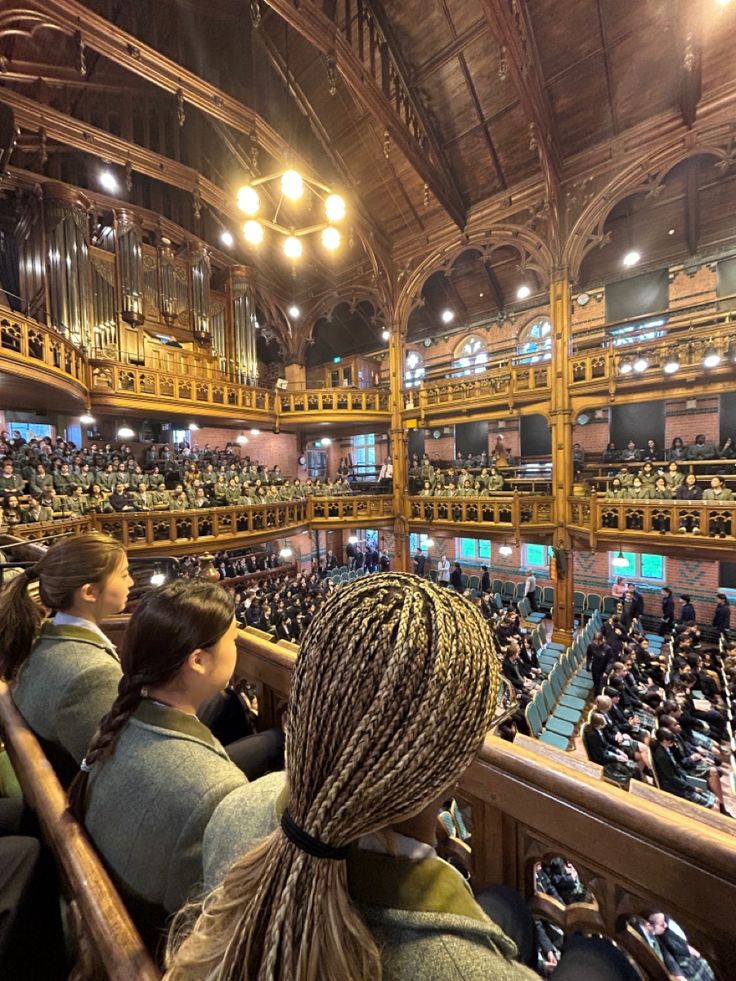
column 419, row 111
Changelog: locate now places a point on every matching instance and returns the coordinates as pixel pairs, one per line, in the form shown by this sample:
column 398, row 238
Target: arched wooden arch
column 645, row 176
column 324, row 307
column 533, row 252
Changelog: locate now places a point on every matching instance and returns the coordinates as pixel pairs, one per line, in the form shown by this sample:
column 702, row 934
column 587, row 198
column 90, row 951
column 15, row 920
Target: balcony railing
column 323, row 402
column 350, row 509
column 508, row 383
column 705, row 523
column 661, row 853
column 508, row 511
column 142, row 384
column 37, row 350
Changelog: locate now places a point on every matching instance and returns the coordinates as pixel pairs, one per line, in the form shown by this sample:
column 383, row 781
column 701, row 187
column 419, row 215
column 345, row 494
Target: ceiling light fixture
column 255, row 432
column 193, row 427
column 253, row 232
column 386, row 335
column 109, row 182
column 671, row 231
column 631, row 258
column 125, row 432
column 671, row 364
column 641, row 363
column 292, row 247
column 86, row 419
column 331, row 238
column 292, row 185
column 711, row 358
column 626, row 367
column 618, row 561
column 429, row 542
column 353, row 539
column 286, row 553
column 523, row 293
column 227, row 239
column 505, row 550
column 248, row 200
column 294, row 311
column 326, row 441
column 447, row 316
column 241, row 440
column 335, row 208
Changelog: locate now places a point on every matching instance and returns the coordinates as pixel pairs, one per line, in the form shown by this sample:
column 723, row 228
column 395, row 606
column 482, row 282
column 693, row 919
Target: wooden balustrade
column 39, row 353
column 354, row 510
column 633, row 853
column 320, row 402
column 707, row 523
column 513, row 511
column 118, row 383
column 507, row 383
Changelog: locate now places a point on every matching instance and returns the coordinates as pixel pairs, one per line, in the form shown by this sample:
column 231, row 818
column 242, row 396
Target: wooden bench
column 107, row 943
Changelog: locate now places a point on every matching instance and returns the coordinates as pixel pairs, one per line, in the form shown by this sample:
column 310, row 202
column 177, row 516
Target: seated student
column 339, row 838
column 677, row 450
column 153, row 773
column 64, row 673
column 700, row 450
column 681, row 960
column 671, row 776
column 693, row 762
column 619, row 739
column 673, row 477
column 651, row 451
column 35, row 511
column 611, row 454
column 598, row 747
column 121, row 498
column 717, row 494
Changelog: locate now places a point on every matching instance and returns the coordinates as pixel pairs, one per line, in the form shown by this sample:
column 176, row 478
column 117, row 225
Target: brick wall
column 687, row 288
column 594, row 436
column 687, row 418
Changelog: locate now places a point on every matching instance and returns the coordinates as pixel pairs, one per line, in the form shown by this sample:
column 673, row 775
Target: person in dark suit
column 687, row 613
column 722, row 615
column 596, row 744
column 419, row 562
column 456, row 577
column 598, row 659
column 671, row 776
column 668, row 612
column 485, row 580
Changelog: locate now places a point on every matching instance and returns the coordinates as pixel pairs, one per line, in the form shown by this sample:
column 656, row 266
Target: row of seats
column 729, row 715
column 343, row 574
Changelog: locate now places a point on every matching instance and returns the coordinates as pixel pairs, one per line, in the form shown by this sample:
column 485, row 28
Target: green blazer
column 421, row 912
column 149, row 803
column 65, row 687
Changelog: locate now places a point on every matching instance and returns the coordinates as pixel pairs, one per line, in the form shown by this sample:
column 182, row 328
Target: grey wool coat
column 67, row 684
column 149, row 803
column 421, row 912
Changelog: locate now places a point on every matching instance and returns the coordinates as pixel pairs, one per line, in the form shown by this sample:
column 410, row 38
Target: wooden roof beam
column 510, row 23
column 389, row 102
column 493, row 284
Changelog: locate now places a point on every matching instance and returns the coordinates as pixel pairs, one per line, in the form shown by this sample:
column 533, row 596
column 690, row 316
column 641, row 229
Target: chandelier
column 292, row 188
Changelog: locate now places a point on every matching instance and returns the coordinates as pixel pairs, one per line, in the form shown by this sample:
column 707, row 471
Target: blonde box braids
column 394, row 688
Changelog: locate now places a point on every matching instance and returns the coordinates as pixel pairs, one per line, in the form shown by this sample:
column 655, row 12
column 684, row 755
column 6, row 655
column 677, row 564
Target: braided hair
column 394, row 688
column 65, row 568
column 168, row 624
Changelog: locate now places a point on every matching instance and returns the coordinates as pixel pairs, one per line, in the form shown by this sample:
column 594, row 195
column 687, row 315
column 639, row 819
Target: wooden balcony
column 349, row 511
column 37, row 354
column 126, row 386
column 503, row 386
column 658, row 852
column 520, row 514
column 336, row 405
column 656, row 524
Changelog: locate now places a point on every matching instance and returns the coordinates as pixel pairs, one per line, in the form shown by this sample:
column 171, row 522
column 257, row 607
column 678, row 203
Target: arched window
column 414, row 370
column 535, row 342
column 470, row 357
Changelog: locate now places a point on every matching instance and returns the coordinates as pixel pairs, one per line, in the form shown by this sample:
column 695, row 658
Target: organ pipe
column 129, row 249
column 68, row 263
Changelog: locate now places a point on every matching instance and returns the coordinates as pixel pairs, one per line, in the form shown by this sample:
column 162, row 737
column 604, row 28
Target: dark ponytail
column 166, row 626
column 66, row 567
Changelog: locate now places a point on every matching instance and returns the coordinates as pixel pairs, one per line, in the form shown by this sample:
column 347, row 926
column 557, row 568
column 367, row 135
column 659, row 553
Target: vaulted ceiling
column 420, row 111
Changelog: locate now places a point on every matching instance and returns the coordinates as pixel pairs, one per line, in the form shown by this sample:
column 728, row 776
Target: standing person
column 687, row 612
column 668, row 612
column 153, row 774
column 456, row 577
column 598, row 659
column 485, row 580
column 64, row 672
column 722, row 615
column 618, row 590
column 419, row 562
column 530, row 589
column 361, row 866
column 443, row 571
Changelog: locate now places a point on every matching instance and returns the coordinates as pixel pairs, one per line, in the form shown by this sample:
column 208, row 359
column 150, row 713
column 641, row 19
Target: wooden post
column 399, row 453
column 562, row 472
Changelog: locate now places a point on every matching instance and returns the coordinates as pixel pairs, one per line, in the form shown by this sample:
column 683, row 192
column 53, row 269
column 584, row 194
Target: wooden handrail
column 111, row 933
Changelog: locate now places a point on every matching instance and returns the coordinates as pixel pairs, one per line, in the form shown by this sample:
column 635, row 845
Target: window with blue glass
column 535, row 342
column 470, row 358
column 474, row 550
column 364, row 455
column 537, row 556
column 636, row 565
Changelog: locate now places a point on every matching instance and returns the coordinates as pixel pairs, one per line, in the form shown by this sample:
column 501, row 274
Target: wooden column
column 562, row 472
column 401, row 561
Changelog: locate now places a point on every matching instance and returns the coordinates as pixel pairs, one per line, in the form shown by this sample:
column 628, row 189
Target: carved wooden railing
column 706, row 523
column 115, row 382
column 323, row 402
column 508, row 384
column 513, row 511
column 633, row 853
column 374, row 507
column 29, row 348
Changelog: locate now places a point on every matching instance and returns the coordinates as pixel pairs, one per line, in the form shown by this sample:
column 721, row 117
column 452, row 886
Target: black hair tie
column 312, row 846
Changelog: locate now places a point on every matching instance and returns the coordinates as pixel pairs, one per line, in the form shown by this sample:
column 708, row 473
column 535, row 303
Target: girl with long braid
column 153, row 773
column 63, row 671
column 394, row 688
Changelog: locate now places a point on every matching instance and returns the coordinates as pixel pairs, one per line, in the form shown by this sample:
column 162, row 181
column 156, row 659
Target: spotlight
column 109, row 182
column 711, row 358
column 447, row 316
column 286, row 553
column 671, row 364
column 641, row 363
column 523, row 292
column 125, row 432
column 631, row 258
column 227, row 239
column 505, row 550
column 87, row 419
column 386, row 335
column 248, row 200
column 253, row 232
column 241, row 440
column 626, row 366
column 294, row 311
column 331, row 238
column 292, row 185
column 335, row 208
column 670, row 231
column 292, row 247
